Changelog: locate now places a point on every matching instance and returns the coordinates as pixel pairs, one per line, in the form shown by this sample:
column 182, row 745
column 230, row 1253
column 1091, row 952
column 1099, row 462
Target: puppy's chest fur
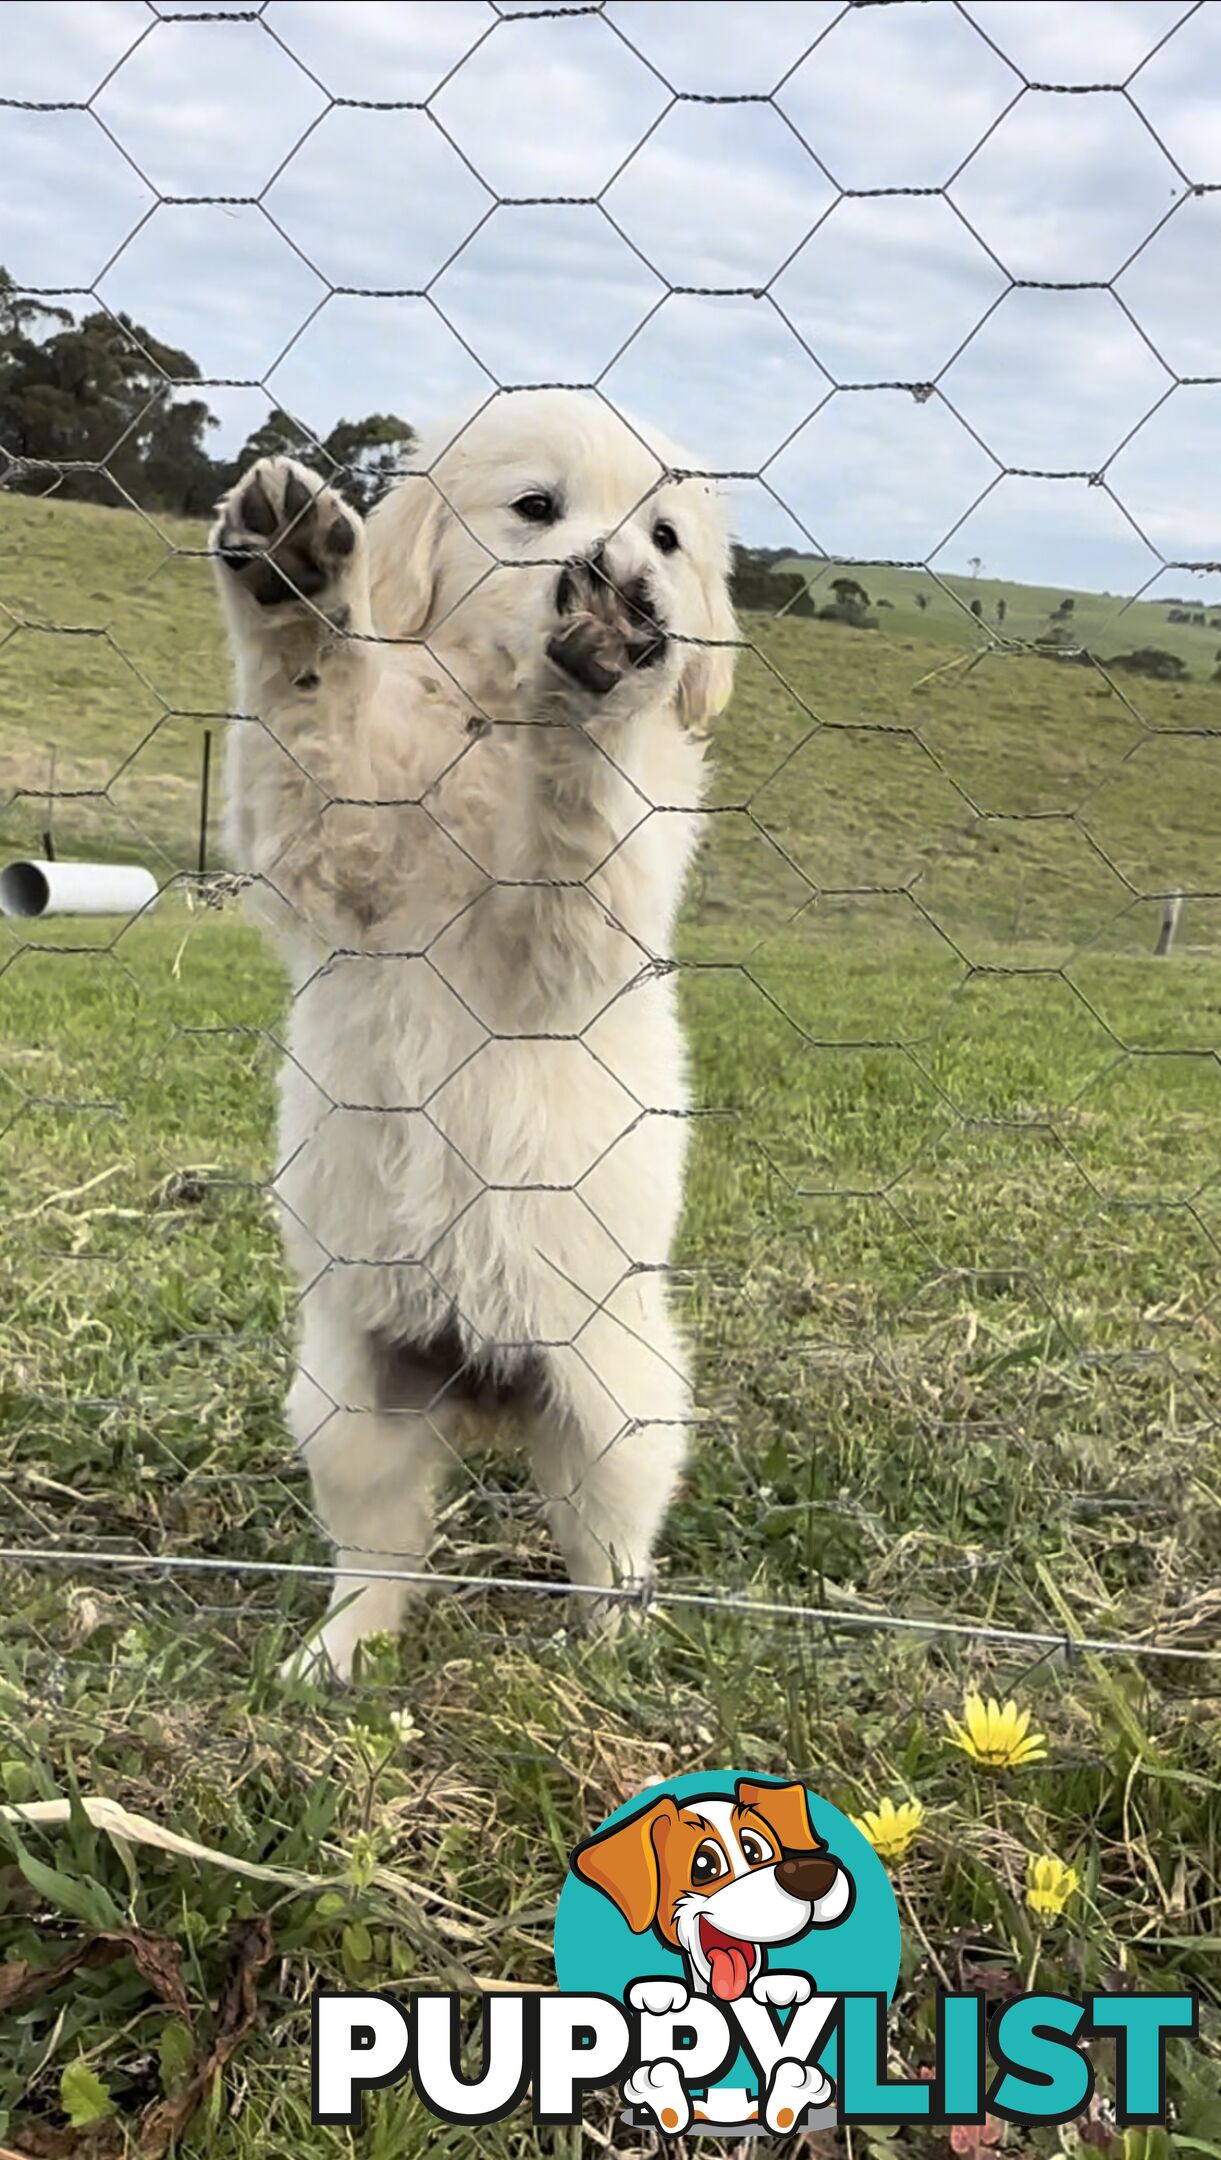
column 490, row 1079
column 389, row 1044
column 489, row 1094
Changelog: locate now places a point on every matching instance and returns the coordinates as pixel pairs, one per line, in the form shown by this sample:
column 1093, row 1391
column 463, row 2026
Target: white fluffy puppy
column 465, row 779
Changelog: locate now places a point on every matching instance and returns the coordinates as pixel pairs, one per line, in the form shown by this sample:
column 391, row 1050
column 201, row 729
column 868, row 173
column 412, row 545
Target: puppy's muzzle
column 605, row 629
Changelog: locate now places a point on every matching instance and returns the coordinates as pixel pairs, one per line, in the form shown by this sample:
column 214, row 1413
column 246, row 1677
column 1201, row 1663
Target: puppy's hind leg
column 609, row 1453
column 377, row 1447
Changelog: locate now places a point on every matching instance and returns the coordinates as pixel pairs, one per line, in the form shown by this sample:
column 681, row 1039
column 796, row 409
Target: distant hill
column 1106, row 623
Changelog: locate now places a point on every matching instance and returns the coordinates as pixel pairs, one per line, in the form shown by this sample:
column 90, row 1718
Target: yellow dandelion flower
column 999, row 1738
column 1049, row 1885
column 891, row 1830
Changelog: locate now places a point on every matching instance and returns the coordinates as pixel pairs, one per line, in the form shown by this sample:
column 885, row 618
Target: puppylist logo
column 726, row 1949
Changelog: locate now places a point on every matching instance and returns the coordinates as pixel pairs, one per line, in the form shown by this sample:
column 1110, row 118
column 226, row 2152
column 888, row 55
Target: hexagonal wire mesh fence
column 947, row 1260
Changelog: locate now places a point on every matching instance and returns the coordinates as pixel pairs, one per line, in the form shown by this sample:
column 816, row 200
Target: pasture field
column 950, row 1261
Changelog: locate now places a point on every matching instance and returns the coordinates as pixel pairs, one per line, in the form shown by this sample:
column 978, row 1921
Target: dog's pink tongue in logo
column 729, row 1962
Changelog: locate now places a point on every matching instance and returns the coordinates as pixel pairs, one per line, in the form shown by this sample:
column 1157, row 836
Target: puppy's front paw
column 658, row 1997
column 794, row 2087
column 329, row 1653
column 658, row 2088
column 284, row 536
column 605, row 632
column 317, row 1663
column 607, row 1620
column 782, row 1988
column 591, row 653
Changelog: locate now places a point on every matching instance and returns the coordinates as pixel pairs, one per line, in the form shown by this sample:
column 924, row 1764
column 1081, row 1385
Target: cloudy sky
column 792, row 216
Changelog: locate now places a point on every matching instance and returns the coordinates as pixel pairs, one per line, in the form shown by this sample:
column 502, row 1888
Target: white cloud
column 217, row 281
column 547, row 294
column 1167, row 476
column 77, row 200
column 888, row 288
column 377, row 199
column 723, row 377
column 898, row 96
column 380, row 48
column 720, row 195
column 1067, row 188
column 1179, row 91
column 1055, row 380
column 61, row 49
column 880, row 473
column 551, row 106
column 1052, row 532
column 1103, row 41
column 720, row 48
column 1171, row 291
column 208, row 115
column 409, row 363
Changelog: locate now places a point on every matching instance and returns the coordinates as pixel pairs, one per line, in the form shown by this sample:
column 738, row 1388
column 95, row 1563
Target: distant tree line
column 756, row 583
column 103, row 392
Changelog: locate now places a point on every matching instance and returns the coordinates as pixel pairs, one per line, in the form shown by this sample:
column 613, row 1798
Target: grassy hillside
column 950, row 1265
column 110, row 668
column 1107, row 623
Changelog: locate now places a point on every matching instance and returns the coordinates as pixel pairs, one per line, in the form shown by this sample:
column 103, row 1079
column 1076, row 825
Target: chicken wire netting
column 924, row 285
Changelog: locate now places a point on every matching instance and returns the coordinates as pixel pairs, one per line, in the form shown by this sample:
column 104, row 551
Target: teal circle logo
column 599, row 1948
column 722, row 1888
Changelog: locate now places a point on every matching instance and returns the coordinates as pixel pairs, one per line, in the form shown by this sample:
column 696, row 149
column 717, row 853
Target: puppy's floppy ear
column 404, row 536
column 622, row 1862
column 707, row 678
column 786, row 1808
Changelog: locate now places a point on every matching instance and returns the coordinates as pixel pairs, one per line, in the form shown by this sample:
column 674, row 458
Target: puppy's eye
column 665, row 539
column 708, row 1864
column 539, row 507
column 754, row 1851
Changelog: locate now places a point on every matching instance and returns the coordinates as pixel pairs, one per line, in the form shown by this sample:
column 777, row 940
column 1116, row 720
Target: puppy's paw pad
column 659, row 2088
column 590, row 653
column 284, row 535
column 602, row 633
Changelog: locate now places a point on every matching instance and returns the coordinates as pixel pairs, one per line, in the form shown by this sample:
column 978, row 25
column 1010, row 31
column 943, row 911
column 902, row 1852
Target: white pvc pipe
column 75, row 888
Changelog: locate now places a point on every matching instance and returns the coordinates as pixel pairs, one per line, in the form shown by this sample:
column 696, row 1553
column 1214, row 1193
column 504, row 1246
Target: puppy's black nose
column 808, row 1876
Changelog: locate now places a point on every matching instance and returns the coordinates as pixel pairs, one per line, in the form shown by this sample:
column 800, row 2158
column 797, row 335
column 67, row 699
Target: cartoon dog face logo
column 720, row 1880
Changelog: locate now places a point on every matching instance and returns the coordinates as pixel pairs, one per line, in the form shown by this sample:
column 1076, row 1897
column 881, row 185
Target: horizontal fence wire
column 644, row 1596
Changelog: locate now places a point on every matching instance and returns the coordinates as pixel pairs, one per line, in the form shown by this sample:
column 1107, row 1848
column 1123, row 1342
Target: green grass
column 110, row 670
column 950, row 1260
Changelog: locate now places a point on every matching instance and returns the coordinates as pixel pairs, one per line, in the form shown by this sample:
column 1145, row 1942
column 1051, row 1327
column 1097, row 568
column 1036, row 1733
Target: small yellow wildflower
column 998, row 1738
column 891, row 1830
column 1049, row 1885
